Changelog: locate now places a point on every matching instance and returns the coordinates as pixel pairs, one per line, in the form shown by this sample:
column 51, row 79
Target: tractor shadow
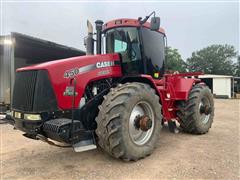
column 168, row 140
column 46, row 160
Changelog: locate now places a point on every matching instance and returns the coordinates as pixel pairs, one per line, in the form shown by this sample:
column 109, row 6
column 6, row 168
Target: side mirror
column 155, row 23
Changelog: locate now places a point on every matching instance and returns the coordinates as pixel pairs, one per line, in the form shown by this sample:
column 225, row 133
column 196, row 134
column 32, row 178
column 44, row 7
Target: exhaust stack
column 99, row 24
column 89, row 41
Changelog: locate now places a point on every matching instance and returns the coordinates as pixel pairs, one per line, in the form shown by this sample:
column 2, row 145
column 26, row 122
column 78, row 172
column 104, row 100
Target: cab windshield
column 125, row 41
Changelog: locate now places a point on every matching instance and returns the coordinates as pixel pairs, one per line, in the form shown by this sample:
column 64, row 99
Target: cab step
column 84, row 145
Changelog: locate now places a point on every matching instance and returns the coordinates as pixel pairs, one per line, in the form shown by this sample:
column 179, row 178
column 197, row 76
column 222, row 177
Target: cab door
column 125, row 41
column 153, row 52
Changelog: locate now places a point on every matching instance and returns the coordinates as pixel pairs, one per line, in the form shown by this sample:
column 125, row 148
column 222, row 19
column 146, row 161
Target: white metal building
column 220, row 85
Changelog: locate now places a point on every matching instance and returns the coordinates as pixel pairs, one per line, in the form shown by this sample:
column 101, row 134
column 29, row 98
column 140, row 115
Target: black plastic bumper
column 56, row 129
column 30, row 127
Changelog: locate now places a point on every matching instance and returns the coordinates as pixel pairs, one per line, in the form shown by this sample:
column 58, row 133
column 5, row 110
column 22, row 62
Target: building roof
column 39, row 50
column 45, row 42
column 214, row 76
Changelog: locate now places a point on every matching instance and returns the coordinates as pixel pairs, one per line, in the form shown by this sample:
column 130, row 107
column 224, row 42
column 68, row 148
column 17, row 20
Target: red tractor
column 118, row 98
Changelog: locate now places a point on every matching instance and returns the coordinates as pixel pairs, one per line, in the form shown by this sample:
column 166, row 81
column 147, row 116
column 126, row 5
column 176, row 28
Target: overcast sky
column 189, row 26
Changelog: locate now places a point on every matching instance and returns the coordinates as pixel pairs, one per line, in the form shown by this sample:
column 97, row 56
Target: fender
column 171, row 88
column 177, row 85
column 147, row 79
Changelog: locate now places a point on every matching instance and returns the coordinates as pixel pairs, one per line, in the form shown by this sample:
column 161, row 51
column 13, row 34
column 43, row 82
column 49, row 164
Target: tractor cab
column 140, row 44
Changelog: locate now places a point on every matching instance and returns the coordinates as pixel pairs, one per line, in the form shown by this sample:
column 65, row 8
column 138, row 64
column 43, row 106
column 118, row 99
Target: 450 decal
column 71, row 73
column 75, row 71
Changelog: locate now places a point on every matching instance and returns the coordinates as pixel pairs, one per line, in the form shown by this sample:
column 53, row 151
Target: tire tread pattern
column 187, row 111
column 111, row 113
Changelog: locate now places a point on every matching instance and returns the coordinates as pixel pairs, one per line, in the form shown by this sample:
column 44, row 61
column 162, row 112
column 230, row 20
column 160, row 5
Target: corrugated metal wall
column 5, row 74
column 19, row 50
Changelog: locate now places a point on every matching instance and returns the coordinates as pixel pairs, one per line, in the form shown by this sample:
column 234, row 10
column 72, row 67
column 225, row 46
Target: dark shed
column 20, row 50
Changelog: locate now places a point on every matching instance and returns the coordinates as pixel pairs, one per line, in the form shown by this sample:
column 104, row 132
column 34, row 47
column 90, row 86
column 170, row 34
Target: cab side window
column 119, row 46
column 154, row 51
column 125, row 41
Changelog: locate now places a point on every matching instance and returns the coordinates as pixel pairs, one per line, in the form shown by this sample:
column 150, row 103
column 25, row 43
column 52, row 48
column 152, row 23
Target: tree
column 174, row 60
column 237, row 67
column 214, row 59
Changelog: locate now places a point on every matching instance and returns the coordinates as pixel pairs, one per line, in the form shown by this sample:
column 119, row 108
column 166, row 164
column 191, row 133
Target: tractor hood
column 84, row 69
column 67, row 63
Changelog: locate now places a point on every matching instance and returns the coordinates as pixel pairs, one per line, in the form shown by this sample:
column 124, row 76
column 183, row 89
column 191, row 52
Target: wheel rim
column 204, row 116
column 137, row 135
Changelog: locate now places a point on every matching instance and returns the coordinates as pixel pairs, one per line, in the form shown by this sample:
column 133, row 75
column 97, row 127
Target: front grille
column 23, row 93
column 33, row 92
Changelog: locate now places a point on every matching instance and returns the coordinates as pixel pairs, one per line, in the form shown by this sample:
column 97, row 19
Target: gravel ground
column 177, row 156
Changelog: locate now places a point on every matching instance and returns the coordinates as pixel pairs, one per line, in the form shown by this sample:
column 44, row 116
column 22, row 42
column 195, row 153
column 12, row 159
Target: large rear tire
column 196, row 114
column 120, row 123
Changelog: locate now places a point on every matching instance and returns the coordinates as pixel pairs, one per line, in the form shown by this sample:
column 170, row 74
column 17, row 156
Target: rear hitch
column 172, row 126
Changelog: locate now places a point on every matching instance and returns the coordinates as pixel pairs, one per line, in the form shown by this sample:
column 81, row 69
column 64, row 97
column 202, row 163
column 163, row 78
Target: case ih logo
column 75, row 71
column 105, row 64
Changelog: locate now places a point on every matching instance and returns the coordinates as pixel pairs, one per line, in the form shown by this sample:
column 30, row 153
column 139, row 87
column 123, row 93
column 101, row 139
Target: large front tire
column 118, row 133
column 196, row 114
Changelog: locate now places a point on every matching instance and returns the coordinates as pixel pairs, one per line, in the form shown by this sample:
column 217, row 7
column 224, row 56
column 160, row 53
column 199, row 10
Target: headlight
column 32, row 117
column 17, row 115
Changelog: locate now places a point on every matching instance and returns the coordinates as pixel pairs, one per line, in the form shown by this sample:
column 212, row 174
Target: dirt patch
column 213, row 155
